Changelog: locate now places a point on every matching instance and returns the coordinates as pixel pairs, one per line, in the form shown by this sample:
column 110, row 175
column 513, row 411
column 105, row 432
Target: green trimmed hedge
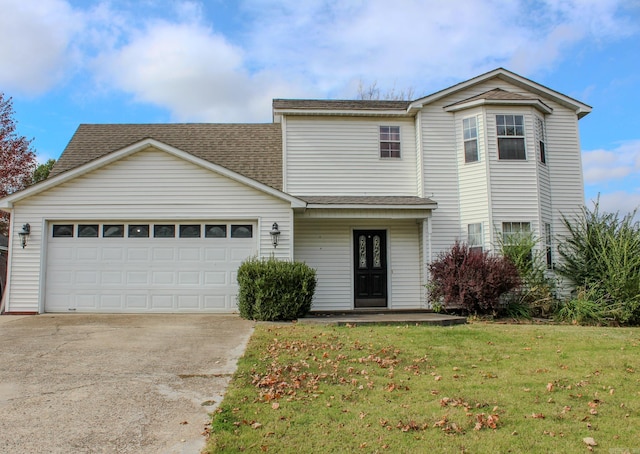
column 273, row 290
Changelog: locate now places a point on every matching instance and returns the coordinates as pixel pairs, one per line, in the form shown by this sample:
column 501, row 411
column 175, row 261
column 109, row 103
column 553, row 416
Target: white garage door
column 145, row 266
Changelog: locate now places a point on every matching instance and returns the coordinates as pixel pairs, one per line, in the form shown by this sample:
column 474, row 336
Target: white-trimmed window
column 474, row 236
column 470, row 135
column 515, row 229
column 389, row 141
column 541, row 147
column 510, row 131
column 548, row 238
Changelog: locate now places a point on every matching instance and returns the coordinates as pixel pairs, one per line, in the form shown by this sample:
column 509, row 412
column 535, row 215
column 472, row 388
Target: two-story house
column 158, row 217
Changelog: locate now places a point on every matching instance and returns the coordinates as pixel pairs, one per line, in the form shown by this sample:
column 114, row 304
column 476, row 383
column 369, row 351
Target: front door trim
column 370, row 267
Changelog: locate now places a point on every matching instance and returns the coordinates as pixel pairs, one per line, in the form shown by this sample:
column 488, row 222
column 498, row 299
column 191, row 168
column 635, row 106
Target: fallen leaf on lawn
column 275, row 405
column 184, row 422
column 437, row 378
column 537, row 416
column 589, row 441
column 549, row 387
column 256, row 425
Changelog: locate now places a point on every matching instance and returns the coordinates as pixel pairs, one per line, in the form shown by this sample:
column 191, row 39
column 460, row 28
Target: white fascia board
column 345, row 113
column 139, row 146
column 580, row 108
column 542, row 107
column 359, row 206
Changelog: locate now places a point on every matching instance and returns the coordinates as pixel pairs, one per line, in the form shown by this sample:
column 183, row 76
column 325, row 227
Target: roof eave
column 364, row 206
column 345, row 112
column 580, row 108
column 542, row 107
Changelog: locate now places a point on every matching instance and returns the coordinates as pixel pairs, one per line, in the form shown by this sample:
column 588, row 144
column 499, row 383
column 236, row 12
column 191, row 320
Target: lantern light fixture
column 275, row 234
column 24, row 234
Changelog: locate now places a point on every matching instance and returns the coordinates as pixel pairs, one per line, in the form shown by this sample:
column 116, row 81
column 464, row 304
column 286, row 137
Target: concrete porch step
column 382, row 318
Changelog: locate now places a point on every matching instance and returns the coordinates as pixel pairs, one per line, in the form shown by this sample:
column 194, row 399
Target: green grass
column 433, row 389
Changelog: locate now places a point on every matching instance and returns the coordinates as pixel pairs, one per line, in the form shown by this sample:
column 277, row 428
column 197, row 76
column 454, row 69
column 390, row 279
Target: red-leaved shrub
column 472, row 280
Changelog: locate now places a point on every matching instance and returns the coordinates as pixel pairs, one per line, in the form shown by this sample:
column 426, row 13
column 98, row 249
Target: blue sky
column 67, row 62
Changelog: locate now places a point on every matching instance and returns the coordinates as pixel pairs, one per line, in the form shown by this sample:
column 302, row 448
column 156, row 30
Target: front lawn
column 475, row 388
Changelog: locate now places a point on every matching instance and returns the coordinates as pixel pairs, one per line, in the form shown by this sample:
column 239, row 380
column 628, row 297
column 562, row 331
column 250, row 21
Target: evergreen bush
column 275, row 290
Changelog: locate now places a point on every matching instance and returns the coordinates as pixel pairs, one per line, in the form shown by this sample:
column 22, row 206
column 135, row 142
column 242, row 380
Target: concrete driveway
column 113, row 383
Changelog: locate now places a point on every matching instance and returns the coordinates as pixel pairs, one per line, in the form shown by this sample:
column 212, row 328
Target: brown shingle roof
column 252, row 150
column 339, row 104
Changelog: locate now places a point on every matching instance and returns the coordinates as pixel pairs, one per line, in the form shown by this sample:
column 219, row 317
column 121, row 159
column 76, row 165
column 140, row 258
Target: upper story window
column 510, row 131
column 474, row 236
column 540, row 139
column 470, row 133
column 389, row 141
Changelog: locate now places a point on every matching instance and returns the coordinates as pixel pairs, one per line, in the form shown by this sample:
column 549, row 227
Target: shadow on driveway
column 114, row 383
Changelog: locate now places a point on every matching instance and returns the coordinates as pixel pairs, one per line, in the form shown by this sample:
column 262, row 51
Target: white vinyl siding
column 341, row 156
column 441, row 183
column 326, row 245
column 473, row 184
column 513, row 183
column 149, row 184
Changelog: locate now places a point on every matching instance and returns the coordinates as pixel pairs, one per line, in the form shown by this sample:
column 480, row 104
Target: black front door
column 370, row 264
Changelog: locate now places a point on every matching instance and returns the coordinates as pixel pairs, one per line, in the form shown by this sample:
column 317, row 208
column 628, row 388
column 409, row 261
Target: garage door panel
column 189, row 254
column 239, row 254
column 216, row 255
column 137, row 278
column 63, row 277
column 110, row 302
column 164, row 254
column 137, row 275
column 60, row 253
column 216, row 278
column 189, row 278
column 138, row 254
column 162, row 301
column 84, row 301
column 215, row 302
column 108, row 278
column 163, row 278
column 134, row 302
column 112, row 253
column 188, row 301
column 86, row 278
column 87, row 253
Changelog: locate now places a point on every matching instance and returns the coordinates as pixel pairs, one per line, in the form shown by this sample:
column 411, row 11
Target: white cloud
column 170, row 54
column 610, row 165
column 37, row 44
column 622, row 202
column 190, row 70
column 425, row 44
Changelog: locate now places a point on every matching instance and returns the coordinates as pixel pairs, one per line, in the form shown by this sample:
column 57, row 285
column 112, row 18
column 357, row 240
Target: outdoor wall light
column 23, row 234
column 275, row 234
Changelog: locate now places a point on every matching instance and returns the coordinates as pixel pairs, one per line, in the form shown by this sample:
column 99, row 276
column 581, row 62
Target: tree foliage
column 372, row 92
column 17, row 158
column 42, row 171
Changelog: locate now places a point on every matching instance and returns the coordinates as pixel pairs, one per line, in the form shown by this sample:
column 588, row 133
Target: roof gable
column 251, row 150
column 145, row 144
column 535, row 88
